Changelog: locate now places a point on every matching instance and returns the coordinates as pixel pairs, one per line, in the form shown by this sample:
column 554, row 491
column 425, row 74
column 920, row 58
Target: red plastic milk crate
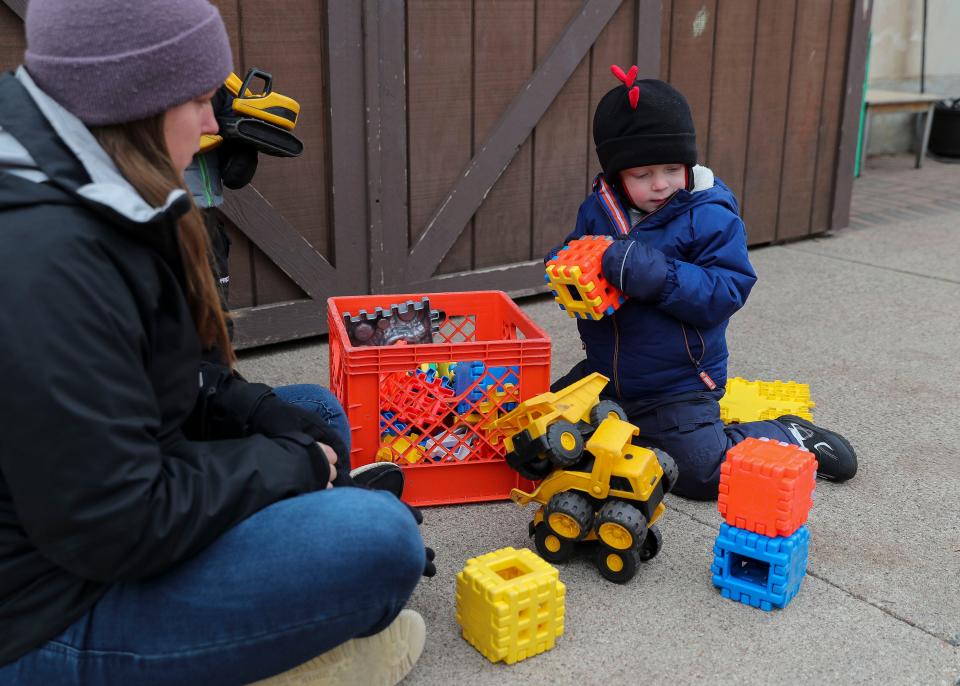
column 453, row 458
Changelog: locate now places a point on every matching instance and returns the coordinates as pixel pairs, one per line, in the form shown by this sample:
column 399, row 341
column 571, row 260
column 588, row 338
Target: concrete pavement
column 870, row 318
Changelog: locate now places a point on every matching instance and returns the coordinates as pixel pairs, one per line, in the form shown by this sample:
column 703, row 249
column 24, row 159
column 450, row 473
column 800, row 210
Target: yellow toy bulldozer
column 613, row 496
column 597, row 485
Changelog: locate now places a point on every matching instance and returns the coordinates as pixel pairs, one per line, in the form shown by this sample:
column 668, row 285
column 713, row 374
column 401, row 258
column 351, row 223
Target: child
column 680, row 255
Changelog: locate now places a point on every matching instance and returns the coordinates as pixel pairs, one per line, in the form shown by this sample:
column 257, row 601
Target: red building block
column 577, row 282
column 767, row 487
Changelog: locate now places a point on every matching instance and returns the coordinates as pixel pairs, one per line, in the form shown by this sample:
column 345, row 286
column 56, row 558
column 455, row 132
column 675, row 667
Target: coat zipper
column 616, row 355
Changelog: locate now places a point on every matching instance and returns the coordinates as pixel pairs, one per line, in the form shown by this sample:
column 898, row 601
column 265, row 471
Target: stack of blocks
column 766, row 492
column 577, row 282
column 510, row 604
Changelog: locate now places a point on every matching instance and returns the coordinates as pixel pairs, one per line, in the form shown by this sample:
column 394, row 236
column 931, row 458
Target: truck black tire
column 551, row 547
column 621, row 526
column 564, row 443
column 651, row 544
column 604, row 409
column 618, row 566
column 569, row 515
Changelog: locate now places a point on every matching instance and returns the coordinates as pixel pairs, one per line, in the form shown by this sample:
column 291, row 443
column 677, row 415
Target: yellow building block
column 752, row 401
column 510, row 604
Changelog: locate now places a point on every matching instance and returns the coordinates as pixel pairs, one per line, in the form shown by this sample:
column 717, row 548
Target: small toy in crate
column 476, row 382
column 577, row 282
column 409, row 322
column 417, row 398
column 605, row 490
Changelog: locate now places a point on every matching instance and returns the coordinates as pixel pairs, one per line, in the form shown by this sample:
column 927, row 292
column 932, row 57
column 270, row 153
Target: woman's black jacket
column 119, row 458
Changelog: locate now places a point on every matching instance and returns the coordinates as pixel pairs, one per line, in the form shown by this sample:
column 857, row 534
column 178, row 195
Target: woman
column 158, row 525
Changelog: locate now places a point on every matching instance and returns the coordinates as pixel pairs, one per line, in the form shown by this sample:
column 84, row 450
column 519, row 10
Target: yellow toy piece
column 546, row 430
column 271, row 107
column 209, row 142
column 510, row 604
column 752, row 401
column 395, row 448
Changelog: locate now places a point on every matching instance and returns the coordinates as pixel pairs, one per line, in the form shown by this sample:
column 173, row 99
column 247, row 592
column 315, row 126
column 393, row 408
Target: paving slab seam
column 869, row 264
column 952, row 642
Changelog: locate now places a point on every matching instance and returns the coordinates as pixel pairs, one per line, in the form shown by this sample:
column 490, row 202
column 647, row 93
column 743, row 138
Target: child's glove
column 636, row 269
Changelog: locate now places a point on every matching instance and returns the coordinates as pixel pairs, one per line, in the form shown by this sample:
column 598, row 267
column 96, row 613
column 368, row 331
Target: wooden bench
column 884, row 101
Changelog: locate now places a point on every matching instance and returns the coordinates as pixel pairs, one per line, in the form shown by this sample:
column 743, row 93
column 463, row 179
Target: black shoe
column 379, row 476
column 836, row 459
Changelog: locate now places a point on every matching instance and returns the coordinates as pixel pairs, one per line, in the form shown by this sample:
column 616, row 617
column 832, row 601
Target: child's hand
column 635, row 268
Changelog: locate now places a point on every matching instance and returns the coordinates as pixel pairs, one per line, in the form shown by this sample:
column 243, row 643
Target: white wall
column 895, row 57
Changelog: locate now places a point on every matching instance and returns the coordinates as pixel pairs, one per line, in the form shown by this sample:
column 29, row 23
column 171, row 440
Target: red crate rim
column 337, row 304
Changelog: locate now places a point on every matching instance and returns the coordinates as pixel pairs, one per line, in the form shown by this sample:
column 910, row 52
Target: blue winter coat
column 685, row 270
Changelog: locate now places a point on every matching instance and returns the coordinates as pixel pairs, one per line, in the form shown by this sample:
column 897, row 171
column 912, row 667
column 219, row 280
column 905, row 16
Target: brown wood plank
column 771, row 74
column 279, row 241
column 278, row 322
column 347, row 145
column 803, row 118
column 439, row 87
column 649, row 17
column 521, row 278
column 616, row 45
column 732, row 77
column 289, row 45
column 230, row 13
column 829, row 134
column 12, row 40
column 691, row 49
column 511, row 130
column 385, row 37
column 560, row 155
column 666, row 34
column 850, row 118
column 504, row 36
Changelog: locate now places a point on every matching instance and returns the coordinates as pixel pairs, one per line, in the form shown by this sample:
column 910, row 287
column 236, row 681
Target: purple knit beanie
column 114, row 61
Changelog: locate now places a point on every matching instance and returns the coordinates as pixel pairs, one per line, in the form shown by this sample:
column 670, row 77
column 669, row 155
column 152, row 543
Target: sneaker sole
column 383, row 659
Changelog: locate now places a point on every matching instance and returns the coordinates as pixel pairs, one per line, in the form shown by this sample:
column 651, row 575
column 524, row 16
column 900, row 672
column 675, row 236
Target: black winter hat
column 640, row 123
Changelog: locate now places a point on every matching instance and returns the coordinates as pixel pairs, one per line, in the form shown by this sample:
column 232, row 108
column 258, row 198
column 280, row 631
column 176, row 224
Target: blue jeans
column 321, row 400
column 288, row 583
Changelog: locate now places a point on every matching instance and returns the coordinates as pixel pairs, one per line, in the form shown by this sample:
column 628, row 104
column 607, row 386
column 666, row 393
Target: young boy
column 680, row 256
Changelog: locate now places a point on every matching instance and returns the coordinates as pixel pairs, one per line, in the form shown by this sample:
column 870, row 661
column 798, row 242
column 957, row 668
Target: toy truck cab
column 613, row 495
column 548, row 430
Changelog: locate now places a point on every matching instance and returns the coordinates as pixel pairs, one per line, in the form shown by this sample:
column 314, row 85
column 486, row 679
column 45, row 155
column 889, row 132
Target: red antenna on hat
column 628, row 79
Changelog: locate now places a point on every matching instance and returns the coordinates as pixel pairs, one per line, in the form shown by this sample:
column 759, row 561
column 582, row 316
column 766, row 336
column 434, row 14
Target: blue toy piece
column 759, row 570
column 490, row 377
column 389, row 426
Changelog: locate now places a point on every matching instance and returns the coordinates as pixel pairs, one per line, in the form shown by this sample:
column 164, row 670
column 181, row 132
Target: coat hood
column 44, row 144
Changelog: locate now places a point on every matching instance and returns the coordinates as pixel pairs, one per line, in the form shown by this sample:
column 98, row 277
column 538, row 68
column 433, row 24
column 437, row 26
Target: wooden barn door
column 480, row 146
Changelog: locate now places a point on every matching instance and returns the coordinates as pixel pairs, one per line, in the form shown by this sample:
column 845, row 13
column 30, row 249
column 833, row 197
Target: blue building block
column 759, row 570
column 496, row 377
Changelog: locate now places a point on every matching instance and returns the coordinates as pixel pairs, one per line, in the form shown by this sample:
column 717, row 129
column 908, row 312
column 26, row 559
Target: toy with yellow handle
column 255, row 114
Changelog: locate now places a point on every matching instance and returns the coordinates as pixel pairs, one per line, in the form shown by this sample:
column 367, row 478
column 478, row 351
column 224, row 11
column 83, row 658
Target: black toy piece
column 411, row 322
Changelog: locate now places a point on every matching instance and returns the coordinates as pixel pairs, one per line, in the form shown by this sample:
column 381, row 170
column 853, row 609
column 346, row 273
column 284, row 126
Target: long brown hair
column 139, row 150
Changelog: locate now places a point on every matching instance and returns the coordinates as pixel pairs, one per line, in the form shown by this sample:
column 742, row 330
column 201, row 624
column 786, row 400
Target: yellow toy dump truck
column 613, row 496
column 548, row 430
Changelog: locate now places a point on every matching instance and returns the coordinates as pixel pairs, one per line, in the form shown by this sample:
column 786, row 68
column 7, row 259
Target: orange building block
column 767, row 486
column 577, row 282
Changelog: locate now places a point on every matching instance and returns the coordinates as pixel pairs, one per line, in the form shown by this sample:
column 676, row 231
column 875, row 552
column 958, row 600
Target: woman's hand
column 332, row 459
